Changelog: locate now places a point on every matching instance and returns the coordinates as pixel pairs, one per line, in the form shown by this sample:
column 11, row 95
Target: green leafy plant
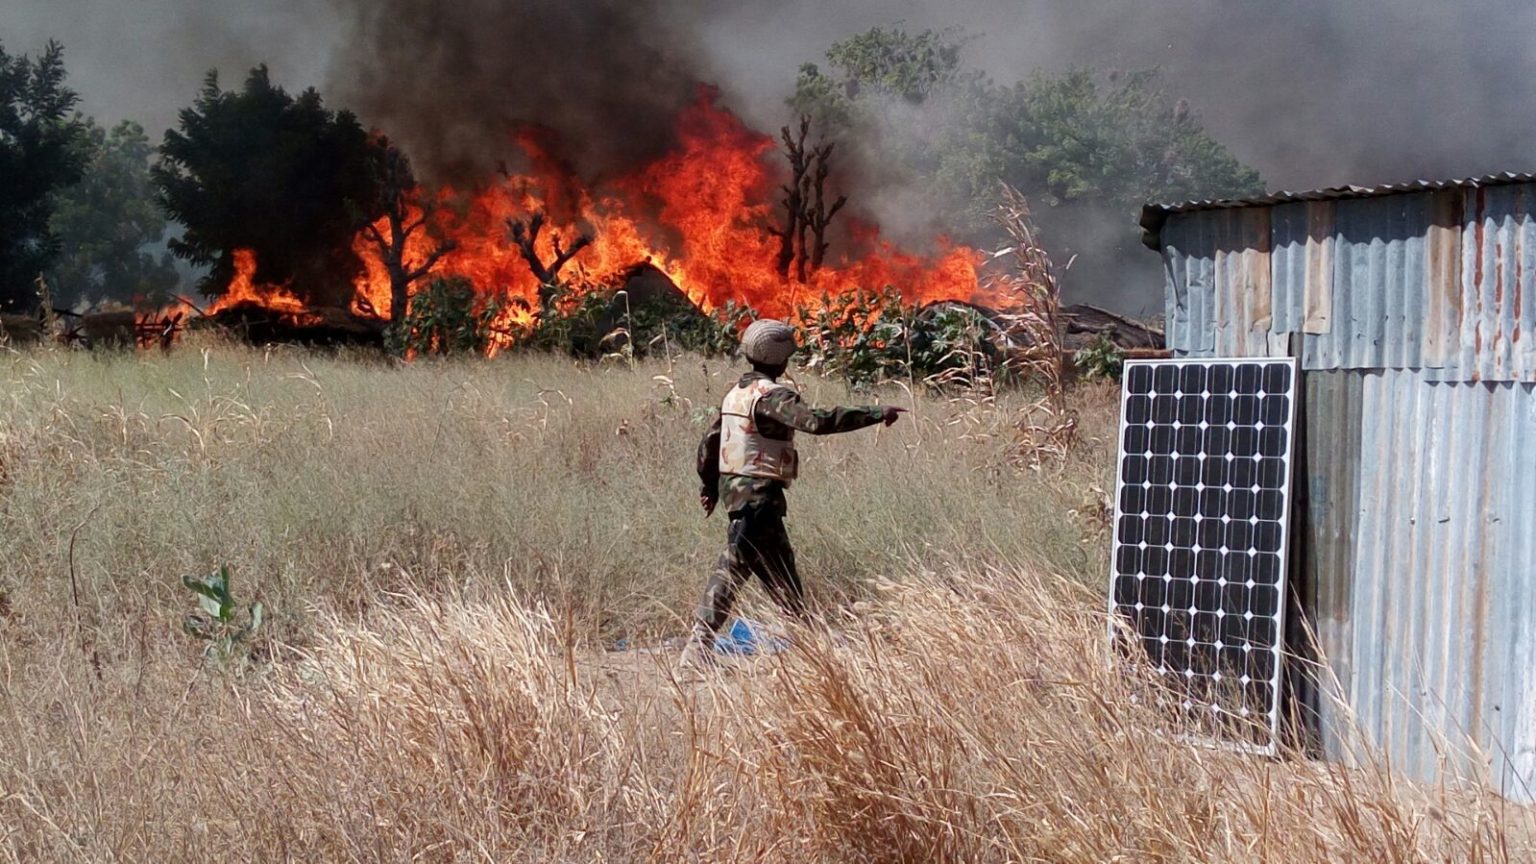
column 1100, row 359
column 446, row 317
column 220, row 620
column 594, row 323
column 869, row 337
column 574, row 326
column 861, row 337
column 958, row 345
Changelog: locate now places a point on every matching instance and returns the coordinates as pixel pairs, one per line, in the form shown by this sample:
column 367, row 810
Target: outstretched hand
column 708, row 504
column 892, row 413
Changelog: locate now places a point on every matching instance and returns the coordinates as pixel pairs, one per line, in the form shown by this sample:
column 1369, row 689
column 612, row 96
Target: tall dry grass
column 446, row 549
column 330, row 479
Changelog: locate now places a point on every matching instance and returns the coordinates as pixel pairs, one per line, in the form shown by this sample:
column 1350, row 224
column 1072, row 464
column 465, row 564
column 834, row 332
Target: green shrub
column 863, row 338
column 447, row 317
column 595, row 324
column 575, row 326
column 866, row 338
column 1101, row 359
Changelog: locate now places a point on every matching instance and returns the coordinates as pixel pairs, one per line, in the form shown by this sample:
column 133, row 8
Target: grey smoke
column 1311, row 92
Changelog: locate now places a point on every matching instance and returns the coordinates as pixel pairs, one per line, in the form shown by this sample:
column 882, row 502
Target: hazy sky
column 1312, row 92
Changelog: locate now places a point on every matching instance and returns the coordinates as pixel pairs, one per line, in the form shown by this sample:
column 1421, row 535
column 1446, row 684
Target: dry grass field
column 446, row 555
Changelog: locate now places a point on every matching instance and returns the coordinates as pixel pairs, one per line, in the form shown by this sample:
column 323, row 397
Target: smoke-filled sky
column 1311, row 92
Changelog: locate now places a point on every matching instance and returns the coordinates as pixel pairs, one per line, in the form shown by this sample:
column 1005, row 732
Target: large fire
column 703, row 214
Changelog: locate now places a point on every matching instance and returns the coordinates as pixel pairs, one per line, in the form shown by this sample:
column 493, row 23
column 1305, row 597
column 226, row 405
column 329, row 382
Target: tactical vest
column 744, row 450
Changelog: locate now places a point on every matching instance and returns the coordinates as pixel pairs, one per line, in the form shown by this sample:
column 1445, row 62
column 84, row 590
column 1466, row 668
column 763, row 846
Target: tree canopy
column 39, row 155
column 1113, row 140
column 1088, row 149
column 280, row 175
column 109, row 222
column 897, row 63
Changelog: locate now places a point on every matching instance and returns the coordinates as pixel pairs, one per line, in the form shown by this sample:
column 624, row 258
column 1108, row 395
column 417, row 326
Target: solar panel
column 1201, row 517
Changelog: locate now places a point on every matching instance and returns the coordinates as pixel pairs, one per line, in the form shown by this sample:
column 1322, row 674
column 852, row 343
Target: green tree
column 282, row 176
column 108, row 223
column 822, row 98
column 39, row 155
column 880, row 62
column 1075, row 142
column 1083, row 141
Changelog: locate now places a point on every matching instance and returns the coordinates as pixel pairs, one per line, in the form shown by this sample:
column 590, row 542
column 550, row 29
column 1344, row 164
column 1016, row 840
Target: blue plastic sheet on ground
column 749, row 637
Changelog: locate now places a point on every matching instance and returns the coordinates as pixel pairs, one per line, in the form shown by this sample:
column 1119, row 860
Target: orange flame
column 243, row 290
column 703, row 214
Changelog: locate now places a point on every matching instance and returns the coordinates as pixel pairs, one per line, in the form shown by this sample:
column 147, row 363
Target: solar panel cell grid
column 1200, row 532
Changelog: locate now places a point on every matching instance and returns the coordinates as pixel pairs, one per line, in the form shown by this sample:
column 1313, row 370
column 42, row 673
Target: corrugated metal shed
column 1413, row 311
column 1438, row 280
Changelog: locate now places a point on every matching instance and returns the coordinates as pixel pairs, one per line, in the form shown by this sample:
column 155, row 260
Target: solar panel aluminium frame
column 1270, row 748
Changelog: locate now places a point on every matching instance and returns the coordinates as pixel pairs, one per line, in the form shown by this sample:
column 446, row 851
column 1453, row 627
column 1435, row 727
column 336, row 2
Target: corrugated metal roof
column 1153, row 216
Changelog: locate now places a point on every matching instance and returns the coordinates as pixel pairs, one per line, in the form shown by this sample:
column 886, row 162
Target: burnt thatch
column 1084, row 325
column 320, row 326
column 647, row 293
column 20, row 329
column 114, row 329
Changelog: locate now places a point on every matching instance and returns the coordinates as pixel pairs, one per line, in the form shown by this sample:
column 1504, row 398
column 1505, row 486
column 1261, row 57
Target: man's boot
column 698, row 654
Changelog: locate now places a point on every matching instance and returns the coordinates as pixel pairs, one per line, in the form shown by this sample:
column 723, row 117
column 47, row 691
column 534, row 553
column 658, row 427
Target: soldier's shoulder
column 775, row 391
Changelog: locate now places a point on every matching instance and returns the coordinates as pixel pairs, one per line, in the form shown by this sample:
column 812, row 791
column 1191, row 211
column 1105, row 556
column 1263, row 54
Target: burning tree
column 403, row 219
column 258, row 175
column 806, row 211
column 525, row 233
column 680, row 215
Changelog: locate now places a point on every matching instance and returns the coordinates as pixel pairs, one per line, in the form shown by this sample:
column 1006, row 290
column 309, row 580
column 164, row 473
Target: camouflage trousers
column 756, row 545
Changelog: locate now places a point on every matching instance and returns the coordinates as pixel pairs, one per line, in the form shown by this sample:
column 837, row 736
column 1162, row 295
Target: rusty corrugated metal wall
column 1443, row 612
column 1326, row 508
column 1443, row 281
column 1414, row 315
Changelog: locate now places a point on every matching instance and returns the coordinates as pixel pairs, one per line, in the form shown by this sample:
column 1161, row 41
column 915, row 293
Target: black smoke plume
column 601, row 80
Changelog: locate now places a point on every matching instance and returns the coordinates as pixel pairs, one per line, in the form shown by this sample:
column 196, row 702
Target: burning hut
column 1412, row 310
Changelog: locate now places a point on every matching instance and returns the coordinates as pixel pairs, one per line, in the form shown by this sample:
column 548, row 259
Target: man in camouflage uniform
column 746, row 461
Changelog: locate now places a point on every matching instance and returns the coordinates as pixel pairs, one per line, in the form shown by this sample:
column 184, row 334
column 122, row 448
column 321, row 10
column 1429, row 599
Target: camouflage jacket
column 777, row 413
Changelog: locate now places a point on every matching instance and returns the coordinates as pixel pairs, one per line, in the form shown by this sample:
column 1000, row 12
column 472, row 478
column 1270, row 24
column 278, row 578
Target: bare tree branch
column 525, row 235
column 432, row 258
column 794, row 200
column 562, row 258
column 803, row 239
column 399, row 193
column 372, row 233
